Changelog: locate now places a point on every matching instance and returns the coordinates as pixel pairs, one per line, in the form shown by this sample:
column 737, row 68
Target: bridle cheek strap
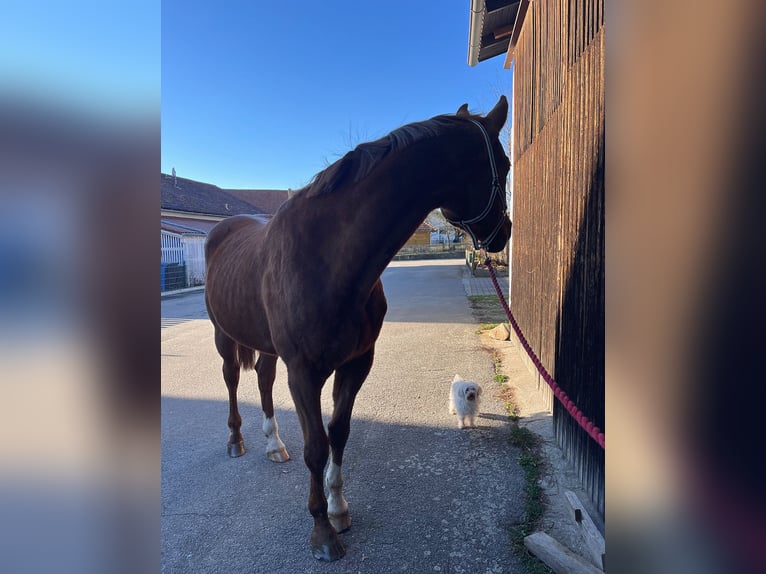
column 496, row 191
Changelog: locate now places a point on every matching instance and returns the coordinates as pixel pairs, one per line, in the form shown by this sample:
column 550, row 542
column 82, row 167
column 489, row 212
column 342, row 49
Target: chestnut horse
column 306, row 285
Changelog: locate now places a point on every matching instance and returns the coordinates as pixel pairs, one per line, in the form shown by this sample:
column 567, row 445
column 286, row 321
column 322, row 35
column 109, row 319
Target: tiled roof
column 267, row 200
column 181, row 194
column 425, row 227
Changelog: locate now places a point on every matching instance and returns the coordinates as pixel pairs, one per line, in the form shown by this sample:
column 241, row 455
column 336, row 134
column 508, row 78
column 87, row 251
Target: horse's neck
column 387, row 232
column 386, row 212
column 357, row 230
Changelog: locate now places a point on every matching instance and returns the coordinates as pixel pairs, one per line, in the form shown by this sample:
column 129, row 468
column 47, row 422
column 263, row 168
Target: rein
column 496, row 190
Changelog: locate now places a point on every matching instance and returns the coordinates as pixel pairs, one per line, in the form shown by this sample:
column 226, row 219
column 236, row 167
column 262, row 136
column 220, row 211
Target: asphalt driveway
column 424, row 496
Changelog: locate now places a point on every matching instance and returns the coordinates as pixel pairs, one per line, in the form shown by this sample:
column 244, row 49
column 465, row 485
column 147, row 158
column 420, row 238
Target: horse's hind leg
column 348, row 380
column 266, row 367
column 227, row 348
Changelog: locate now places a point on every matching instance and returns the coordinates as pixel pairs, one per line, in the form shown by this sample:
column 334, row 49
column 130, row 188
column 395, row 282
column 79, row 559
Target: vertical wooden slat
column 557, row 278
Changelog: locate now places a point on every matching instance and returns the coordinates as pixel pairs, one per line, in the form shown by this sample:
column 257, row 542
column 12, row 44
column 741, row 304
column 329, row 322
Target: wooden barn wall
column 557, row 281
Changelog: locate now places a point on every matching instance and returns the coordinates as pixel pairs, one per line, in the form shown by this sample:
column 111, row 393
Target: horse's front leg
column 348, row 380
column 306, row 391
column 266, row 367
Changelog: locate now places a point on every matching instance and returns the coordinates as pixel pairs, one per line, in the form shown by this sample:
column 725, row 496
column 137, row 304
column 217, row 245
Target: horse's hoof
column 328, row 552
column 326, row 544
column 340, row 522
column 236, row 449
column 279, row 455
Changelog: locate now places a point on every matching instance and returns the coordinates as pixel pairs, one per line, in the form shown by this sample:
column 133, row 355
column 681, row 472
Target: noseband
column 496, row 190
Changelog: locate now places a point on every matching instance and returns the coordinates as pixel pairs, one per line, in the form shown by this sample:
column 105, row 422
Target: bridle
column 497, row 190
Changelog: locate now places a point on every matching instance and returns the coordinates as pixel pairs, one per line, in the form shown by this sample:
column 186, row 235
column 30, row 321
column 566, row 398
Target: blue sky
column 266, row 94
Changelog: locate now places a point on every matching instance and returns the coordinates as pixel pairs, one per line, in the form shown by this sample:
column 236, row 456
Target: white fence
column 182, row 260
column 171, row 247
column 194, row 255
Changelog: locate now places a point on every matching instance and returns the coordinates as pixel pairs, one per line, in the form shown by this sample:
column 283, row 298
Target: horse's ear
column 462, row 111
column 496, row 118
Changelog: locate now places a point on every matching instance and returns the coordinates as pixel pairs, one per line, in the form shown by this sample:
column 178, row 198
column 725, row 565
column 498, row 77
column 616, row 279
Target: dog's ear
column 478, row 391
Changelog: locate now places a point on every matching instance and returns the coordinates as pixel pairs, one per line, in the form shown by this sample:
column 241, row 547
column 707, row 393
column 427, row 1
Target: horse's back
column 228, row 228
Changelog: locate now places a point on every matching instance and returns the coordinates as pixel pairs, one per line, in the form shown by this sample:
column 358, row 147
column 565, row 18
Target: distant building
column 188, row 211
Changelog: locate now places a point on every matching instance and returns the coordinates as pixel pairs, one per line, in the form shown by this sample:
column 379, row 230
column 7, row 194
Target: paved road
column 424, row 496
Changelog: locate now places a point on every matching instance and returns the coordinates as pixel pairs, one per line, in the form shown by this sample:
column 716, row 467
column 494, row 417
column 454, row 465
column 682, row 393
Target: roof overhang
column 180, row 229
column 492, row 26
column 191, row 214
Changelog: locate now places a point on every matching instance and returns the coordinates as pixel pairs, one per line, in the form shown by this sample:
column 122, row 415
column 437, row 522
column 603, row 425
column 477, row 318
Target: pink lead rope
column 571, row 408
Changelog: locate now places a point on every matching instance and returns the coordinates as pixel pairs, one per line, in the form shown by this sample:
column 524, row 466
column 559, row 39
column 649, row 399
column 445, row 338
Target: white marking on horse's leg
column 336, row 504
column 275, row 448
column 337, row 507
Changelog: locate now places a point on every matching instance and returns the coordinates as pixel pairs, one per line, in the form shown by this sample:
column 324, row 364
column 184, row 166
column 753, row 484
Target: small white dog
column 464, row 401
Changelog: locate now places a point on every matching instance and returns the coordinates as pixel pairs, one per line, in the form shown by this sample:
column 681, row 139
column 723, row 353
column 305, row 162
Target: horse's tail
column 246, row 357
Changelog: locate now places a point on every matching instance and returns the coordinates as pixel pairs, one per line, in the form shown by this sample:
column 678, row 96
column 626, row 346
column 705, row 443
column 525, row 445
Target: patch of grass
column 505, row 395
column 489, row 313
column 531, row 464
column 524, row 439
column 487, row 309
column 512, row 411
column 533, row 507
column 499, row 377
column 482, row 298
column 530, row 564
column 534, row 500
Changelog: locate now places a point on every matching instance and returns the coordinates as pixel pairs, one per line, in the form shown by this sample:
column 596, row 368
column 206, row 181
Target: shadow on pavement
column 422, row 498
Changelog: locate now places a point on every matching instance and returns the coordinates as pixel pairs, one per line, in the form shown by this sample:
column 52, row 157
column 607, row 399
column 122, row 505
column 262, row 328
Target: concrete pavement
column 474, row 285
column 424, row 496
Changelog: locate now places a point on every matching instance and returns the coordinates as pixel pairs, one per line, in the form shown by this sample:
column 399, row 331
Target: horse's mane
column 359, row 162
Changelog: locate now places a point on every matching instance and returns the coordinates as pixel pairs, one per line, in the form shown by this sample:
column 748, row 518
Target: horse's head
column 482, row 212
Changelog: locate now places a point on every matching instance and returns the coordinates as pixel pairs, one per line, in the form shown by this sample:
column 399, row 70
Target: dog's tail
column 457, row 378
